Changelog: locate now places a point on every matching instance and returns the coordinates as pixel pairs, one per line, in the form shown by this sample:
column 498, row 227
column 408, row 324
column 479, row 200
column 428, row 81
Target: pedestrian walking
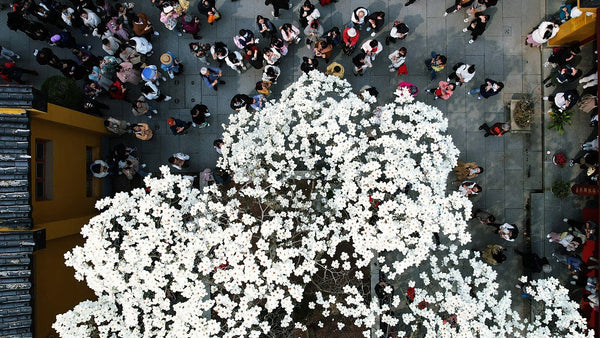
column 212, row 77
column 477, row 26
column 488, row 89
column 497, row 129
column 443, row 91
column 177, row 126
column 200, row 113
column 435, row 64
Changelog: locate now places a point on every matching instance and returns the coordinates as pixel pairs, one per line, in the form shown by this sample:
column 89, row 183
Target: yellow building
column 62, row 144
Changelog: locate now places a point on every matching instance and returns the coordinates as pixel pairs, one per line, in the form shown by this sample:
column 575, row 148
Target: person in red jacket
column 117, row 91
column 443, row 91
column 10, row 72
column 350, row 37
column 497, row 129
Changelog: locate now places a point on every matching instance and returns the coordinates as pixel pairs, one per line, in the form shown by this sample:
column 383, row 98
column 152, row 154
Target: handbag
column 217, row 16
column 211, row 18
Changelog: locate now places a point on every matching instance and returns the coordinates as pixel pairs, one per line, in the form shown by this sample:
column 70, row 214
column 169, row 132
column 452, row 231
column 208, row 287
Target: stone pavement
column 515, row 165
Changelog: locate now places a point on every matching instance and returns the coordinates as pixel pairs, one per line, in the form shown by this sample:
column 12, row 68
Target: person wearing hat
column 151, row 74
column 170, row 64
column 350, row 37
column 212, row 76
column 170, row 18
column 177, row 126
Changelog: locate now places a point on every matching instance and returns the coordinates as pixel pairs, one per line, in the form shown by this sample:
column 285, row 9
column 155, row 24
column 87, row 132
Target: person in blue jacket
column 212, row 76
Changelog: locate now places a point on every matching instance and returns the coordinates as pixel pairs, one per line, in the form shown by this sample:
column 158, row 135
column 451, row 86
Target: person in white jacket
column 151, row 92
column 141, row 45
column 545, row 31
column 90, row 19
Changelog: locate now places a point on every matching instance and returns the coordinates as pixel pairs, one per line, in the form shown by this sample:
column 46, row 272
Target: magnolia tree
column 458, row 296
column 320, row 186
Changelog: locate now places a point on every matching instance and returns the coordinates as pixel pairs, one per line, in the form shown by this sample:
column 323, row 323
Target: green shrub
column 63, row 92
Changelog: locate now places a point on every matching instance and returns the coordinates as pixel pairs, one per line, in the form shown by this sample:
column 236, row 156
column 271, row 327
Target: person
column 312, row 33
column 101, row 169
column 375, row 21
column 563, row 101
column 477, row 6
column 258, row 102
column 219, row 52
column 590, row 145
column 361, row 62
column 89, row 19
column 384, row 292
column 399, row 31
column 151, row 92
column 86, row 59
column 244, row 38
column 333, row 36
column 10, row 72
column 277, row 5
column 477, row 26
column 545, row 31
column 590, row 80
column 308, row 13
column 118, row 127
column 484, row 217
column 271, row 74
column 565, row 73
column 235, row 61
column 265, row 27
column 212, row 76
column 142, row 131
column 208, row 9
column 141, row 106
column 290, row 33
column 46, row 56
column 8, row 54
column 488, row 89
column 170, row 18
column 64, row 39
column 372, row 48
column 566, row 239
column 462, row 74
column 398, row 59
column 494, row 254
column 497, row 129
column 467, row 170
column 562, row 55
column 200, row 50
column 143, row 27
column 357, row 20
column 458, row 5
column 271, row 56
column 116, row 28
column 170, row 64
column 565, row 13
column 589, row 229
column 350, row 37
column 323, row 49
column 506, row 231
column 199, row 114
column 435, row 64
column 413, row 90
column 263, row 87
column 141, row 45
column 240, row 101
column 443, row 91
column 254, row 56
column 130, row 167
column 118, row 91
column 191, row 25
column 335, row 69
column 217, row 144
column 534, row 263
column 126, row 73
column 177, row 126
column 179, row 161
column 469, row 188
column 309, row 64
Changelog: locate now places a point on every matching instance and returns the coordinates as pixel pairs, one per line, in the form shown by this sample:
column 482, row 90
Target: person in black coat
column 207, row 7
column 375, row 22
column 309, row 64
column 240, row 101
column 277, row 5
column 305, row 11
column 477, row 26
column 46, row 56
column 71, row 69
column 458, row 4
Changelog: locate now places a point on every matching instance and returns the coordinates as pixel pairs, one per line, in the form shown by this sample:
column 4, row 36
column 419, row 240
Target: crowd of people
column 128, row 63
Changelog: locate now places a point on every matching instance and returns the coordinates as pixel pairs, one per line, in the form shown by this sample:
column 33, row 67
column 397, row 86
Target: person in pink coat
column 443, row 91
column 126, row 73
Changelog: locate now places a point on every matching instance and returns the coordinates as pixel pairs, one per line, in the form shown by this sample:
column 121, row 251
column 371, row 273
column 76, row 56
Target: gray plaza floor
column 518, row 173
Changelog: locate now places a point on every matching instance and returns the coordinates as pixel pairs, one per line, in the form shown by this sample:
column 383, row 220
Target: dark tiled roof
column 15, row 204
column 21, row 96
column 16, row 248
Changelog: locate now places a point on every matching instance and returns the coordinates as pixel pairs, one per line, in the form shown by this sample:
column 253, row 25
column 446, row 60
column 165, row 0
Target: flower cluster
column 312, row 172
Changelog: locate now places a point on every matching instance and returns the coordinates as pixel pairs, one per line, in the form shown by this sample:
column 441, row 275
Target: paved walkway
column 515, row 165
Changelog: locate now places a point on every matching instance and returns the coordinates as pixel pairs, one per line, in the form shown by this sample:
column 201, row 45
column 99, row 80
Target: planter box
column 514, row 127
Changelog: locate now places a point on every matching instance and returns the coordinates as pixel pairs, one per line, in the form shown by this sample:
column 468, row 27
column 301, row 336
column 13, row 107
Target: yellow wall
column 55, row 287
column 70, row 133
column 56, row 290
column 575, row 30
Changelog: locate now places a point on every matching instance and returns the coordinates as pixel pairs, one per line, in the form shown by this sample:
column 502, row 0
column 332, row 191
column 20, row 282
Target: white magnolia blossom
column 175, row 261
column 464, row 301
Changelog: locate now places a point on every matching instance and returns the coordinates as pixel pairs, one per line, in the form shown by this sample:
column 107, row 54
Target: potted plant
column 522, row 111
column 559, row 118
column 559, row 160
column 561, row 189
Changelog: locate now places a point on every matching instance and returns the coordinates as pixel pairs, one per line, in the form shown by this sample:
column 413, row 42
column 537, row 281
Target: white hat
column 351, row 32
column 167, row 9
